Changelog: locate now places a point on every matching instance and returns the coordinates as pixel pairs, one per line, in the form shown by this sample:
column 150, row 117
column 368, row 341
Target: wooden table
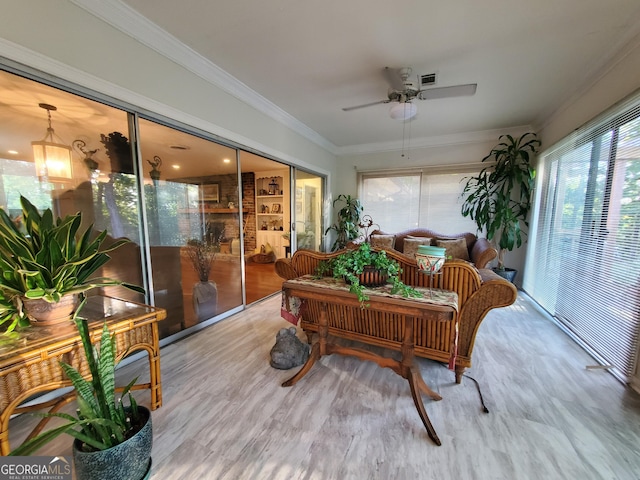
column 330, row 293
column 31, row 364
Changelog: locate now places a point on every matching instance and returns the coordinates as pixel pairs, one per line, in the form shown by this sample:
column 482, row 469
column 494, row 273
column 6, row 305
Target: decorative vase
column 43, row 313
column 205, row 299
column 430, row 259
column 130, row 460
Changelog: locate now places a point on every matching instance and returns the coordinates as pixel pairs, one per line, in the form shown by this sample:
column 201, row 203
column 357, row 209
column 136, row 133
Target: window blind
column 583, row 262
column 399, row 201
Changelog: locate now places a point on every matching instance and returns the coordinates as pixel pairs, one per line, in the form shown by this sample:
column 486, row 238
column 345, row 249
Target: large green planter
column 130, row 460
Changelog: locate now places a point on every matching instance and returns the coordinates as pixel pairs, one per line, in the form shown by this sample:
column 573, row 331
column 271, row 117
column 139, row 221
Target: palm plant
column 347, row 227
column 498, row 199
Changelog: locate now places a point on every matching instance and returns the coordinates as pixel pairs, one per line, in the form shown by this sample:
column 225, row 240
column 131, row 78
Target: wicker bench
column 478, row 291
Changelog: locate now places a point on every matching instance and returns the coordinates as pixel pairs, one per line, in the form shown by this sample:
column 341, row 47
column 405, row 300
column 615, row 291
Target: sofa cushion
column 382, row 242
column 411, row 244
column 455, row 248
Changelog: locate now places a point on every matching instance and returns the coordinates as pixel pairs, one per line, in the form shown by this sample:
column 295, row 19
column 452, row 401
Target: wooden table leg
column 416, row 382
column 318, row 348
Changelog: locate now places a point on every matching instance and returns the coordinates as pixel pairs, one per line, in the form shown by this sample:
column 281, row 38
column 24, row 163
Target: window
column 427, row 199
column 585, row 238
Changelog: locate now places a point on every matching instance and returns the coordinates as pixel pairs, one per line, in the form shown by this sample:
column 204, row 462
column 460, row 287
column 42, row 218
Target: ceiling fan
column 402, row 90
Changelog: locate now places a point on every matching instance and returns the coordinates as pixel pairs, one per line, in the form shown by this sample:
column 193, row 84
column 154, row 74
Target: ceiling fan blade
column 445, row 92
column 348, row 109
column 394, row 78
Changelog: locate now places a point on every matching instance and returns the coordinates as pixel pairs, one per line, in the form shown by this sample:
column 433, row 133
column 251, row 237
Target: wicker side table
column 32, row 365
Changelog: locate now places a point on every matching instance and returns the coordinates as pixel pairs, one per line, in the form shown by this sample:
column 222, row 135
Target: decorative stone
column 289, row 351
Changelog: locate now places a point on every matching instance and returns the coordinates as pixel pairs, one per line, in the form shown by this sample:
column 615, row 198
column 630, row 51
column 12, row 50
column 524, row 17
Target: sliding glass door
column 584, row 258
column 307, row 211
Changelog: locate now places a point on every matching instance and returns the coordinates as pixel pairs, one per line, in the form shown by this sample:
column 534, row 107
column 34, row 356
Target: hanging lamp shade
column 51, row 156
column 403, row 110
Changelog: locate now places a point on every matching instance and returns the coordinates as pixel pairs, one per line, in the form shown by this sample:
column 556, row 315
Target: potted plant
column 111, row 440
column 498, row 199
column 347, row 227
column 46, row 265
column 205, row 292
column 362, row 266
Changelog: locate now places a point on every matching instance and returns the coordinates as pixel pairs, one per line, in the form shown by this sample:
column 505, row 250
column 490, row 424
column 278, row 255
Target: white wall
column 64, row 40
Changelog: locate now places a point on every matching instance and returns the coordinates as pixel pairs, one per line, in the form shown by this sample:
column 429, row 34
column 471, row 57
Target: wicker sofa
column 478, row 291
column 480, row 250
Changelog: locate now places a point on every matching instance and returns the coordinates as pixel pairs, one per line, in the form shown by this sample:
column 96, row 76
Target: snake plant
column 102, row 420
column 52, row 256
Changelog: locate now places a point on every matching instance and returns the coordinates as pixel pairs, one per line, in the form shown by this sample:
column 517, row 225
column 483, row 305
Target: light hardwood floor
column 225, row 415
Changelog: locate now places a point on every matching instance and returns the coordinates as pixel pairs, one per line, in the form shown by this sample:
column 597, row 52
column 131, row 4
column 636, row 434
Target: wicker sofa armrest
column 495, row 292
column 284, row 269
column 483, row 253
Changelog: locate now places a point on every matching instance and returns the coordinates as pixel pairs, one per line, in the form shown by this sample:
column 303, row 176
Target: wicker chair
column 478, row 292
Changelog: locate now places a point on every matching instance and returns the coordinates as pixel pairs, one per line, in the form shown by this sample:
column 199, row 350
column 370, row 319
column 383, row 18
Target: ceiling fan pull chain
column 404, row 126
column 409, row 142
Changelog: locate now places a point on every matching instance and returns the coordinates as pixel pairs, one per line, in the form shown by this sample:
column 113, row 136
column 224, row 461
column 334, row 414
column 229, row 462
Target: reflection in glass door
column 307, row 211
column 193, row 223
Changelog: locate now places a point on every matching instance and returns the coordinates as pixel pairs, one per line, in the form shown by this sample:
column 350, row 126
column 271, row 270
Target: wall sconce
column 81, row 147
column 52, row 158
column 155, row 172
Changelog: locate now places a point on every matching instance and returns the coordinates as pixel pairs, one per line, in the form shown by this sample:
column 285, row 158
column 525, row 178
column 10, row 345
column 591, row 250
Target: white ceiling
column 312, row 58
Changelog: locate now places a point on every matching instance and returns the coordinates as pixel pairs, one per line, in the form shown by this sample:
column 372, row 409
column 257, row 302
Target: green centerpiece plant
column 351, row 264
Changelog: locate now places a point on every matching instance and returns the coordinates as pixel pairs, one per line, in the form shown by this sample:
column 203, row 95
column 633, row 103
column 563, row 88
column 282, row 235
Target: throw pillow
column 382, row 242
column 455, row 248
column 411, row 245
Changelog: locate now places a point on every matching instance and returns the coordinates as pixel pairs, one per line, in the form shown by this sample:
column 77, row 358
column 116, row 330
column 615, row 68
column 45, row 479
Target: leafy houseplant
column 347, row 227
column 52, row 258
column 350, row 264
column 498, row 199
column 102, row 420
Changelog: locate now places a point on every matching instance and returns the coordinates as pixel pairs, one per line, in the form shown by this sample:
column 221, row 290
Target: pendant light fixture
column 52, row 157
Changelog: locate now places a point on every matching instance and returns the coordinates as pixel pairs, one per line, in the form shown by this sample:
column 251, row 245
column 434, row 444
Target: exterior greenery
column 498, row 199
column 347, row 227
column 102, row 420
column 351, row 263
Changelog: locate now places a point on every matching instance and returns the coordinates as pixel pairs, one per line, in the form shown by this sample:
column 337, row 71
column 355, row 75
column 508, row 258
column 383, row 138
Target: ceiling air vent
column 428, row 79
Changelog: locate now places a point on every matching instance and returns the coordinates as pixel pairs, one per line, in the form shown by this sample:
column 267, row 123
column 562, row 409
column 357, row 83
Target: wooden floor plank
column 225, row 415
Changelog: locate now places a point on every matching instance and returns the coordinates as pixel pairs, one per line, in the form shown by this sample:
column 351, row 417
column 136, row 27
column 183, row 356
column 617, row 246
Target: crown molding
column 138, row 27
column 617, row 54
column 431, row 142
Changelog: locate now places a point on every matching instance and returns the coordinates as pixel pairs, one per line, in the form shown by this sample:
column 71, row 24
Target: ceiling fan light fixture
column 403, row 111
